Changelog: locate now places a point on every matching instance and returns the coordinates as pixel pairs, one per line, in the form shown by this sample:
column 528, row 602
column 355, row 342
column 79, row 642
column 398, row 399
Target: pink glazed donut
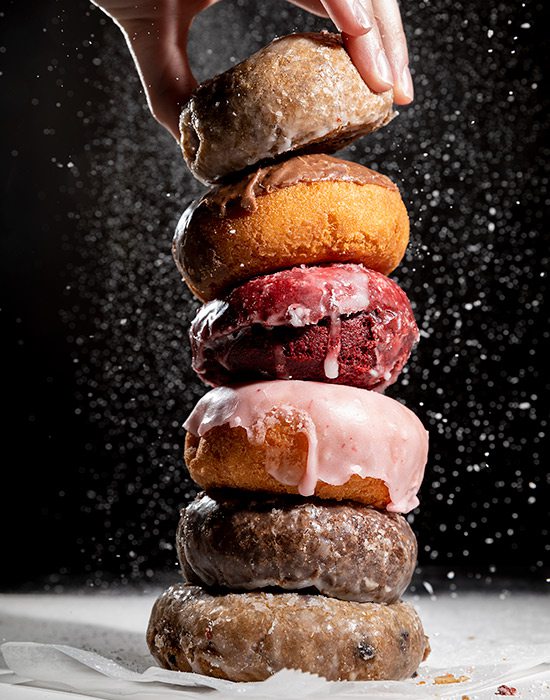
column 328, row 440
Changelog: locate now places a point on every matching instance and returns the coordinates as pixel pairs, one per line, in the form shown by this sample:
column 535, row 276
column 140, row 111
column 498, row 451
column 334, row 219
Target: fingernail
column 407, row 83
column 383, row 67
column 361, row 14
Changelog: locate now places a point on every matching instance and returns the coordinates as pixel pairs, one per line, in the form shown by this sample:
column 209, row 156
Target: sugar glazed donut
column 342, row 550
column 299, row 93
column 311, row 438
column 251, row 636
column 308, row 210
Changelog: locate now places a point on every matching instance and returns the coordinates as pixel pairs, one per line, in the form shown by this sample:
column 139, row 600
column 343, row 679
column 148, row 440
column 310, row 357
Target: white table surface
column 113, row 625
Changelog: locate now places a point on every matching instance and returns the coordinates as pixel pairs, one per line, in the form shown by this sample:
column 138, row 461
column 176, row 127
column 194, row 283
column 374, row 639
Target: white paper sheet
column 67, row 668
column 93, row 646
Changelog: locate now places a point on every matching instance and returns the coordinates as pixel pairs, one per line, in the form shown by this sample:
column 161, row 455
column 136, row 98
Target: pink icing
column 349, row 431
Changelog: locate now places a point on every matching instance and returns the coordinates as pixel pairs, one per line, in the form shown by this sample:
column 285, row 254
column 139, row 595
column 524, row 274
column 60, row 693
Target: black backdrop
column 96, row 367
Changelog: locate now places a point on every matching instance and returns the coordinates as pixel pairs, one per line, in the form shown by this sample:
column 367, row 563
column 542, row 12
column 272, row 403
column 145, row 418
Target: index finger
column 394, row 40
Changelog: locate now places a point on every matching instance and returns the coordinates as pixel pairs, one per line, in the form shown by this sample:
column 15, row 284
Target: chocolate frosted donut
column 301, row 92
column 340, row 323
column 343, row 550
column 308, row 210
column 251, row 636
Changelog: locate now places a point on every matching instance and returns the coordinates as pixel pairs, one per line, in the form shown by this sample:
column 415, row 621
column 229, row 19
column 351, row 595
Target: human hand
column 157, row 31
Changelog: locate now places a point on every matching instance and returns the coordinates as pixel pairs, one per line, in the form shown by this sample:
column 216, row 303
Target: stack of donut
column 297, row 552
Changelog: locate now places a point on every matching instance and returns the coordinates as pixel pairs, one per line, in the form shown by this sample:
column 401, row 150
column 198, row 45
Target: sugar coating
column 250, row 636
column 343, row 550
column 296, row 92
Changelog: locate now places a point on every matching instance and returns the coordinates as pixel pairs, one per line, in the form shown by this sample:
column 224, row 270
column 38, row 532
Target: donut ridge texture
column 251, row 636
column 341, row 549
column 260, row 108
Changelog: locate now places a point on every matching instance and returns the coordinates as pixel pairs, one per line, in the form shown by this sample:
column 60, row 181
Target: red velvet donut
column 339, row 323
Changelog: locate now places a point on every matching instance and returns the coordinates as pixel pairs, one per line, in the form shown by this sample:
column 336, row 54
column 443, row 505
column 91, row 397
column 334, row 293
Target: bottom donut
column 251, row 636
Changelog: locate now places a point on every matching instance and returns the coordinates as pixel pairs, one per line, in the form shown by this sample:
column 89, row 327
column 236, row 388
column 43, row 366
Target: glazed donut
column 307, row 210
column 342, row 550
column 251, row 636
column 328, row 440
column 299, row 93
column 340, row 323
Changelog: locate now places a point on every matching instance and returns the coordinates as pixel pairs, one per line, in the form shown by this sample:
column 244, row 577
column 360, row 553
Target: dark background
column 96, row 374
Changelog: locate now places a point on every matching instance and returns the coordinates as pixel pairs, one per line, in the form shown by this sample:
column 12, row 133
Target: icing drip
column 310, row 295
column 237, row 339
column 280, row 360
column 349, row 431
column 332, row 307
column 334, row 344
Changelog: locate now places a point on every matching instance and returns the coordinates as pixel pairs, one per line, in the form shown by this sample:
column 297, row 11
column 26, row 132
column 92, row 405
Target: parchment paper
column 67, row 668
column 93, row 645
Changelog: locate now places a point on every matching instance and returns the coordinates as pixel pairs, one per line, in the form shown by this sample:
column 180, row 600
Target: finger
column 158, row 47
column 390, row 26
column 354, row 17
column 368, row 55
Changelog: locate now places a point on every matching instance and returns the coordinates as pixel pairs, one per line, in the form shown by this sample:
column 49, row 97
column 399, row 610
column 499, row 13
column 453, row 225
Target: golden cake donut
column 341, row 549
column 327, row 440
column 308, row 210
column 251, row 636
column 225, row 458
column 299, row 93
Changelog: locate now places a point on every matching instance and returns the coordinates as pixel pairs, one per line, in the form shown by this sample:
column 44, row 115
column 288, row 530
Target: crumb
column 421, row 683
column 505, row 690
column 465, row 697
column 449, row 678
